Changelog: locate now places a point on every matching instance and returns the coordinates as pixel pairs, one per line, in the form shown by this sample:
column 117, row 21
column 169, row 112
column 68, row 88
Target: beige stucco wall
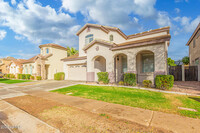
column 54, row 62
column 194, row 53
column 3, row 66
column 14, row 69
column 159, row 51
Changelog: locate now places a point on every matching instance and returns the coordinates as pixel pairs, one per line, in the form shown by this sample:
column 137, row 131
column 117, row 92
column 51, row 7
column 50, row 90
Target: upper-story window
column 88, row 38
column 47, row 50
column 111, row 38
column 194, row 43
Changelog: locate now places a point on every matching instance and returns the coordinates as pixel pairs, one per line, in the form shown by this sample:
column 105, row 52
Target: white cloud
column 187, row 24
column 2, row 34
column 18, row 37
column 37, row 23
column 13, row 2
column 110, row 12
column 177, row 10
column 163, row 19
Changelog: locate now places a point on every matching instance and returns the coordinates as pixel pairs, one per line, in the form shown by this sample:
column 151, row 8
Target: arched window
column 47, row 50
column 88, row 38
column 148, row 62
column 111, row 38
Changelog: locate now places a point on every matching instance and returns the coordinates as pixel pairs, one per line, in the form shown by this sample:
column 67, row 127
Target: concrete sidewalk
column 19, row 121
column 166, row 121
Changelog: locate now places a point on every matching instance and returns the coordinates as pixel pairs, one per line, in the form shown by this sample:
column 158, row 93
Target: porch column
column 43, row 70
column 90, row 70
column 131, row 63
column 110, row 64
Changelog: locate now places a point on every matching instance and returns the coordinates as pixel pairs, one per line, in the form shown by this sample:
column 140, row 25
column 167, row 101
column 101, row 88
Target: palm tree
column 71, row 51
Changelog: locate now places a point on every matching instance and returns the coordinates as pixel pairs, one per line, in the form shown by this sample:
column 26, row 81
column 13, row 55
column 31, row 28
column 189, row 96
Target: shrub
column 27, row 76
column 165, row 82
column 32, row 78
column 38, row 77
column 130, row 79
column 19, row 76
column 23, row 76
column 59, row 76
column 147, row 83
column 12, row 76
column 103, row 76
column 121, row 83
column 8, row 76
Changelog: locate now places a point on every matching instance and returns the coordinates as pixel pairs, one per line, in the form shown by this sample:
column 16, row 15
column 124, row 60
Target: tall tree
column 186, row 60
column 170, row 62
column 71, row 51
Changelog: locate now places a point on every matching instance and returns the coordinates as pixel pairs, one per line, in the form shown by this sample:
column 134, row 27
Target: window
column 197, row 61
column 47, row 50
column 88, row 38
column 194, row 43
column 147, row 63
column 111, row 37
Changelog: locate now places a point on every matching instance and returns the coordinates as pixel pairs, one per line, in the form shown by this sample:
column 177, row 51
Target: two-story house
column 15, row 67
column 108, row 49
column 194, row 47
column 4, row 64
column 47, row 63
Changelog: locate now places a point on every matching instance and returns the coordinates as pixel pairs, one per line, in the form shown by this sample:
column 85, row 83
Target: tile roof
column 53, row 45
column 74, row 57
column 193, row 35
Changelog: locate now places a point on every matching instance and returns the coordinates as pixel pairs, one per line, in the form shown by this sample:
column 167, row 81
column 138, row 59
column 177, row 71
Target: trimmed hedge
column 164, row 82
column 32, row 78
column 38, row 77
column 59, row 76
column 19, row 76
column 28, row 76
column 103, row 77
column 130, row 79
column 147, row 83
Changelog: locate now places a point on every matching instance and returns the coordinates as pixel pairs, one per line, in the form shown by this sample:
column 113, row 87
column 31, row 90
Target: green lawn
column 12, row 81
column 137, row 98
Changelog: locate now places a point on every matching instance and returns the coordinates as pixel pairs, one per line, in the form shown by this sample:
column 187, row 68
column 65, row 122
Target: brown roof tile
column 53, row 45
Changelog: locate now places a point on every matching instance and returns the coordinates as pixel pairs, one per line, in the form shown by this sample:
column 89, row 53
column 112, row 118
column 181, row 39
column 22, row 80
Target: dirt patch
column 69, row 119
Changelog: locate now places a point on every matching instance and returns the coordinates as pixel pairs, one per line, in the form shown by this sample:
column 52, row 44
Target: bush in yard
column 8, row 76
column 121, row 83
column 59, row 76
column 32, row 78
column 19, row 76
column 38, row 77
column 12, row 76
column 103, row 77
column 147, row 83
column 23, row 76
column 164, row 82
column 130, row 79
column 28, row 76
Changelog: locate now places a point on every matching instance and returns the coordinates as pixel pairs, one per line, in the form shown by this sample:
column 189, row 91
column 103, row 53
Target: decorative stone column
column 43, row 70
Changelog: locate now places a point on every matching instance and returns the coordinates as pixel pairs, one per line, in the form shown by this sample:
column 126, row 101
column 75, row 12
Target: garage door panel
column 77, row 72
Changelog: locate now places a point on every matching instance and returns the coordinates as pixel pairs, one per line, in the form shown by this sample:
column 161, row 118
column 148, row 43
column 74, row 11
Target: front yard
column 12, row 81
column 157, row 101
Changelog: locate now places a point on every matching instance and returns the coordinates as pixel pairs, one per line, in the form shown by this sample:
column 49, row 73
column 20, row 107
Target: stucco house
column 15, row 67
column 4, row 64
column 108, row 49
column 194, row 47
column 47, row 63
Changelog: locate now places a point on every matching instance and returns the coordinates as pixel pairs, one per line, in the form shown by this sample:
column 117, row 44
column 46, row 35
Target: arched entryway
column 99, row 65
column 120, row 65
column 145, row 66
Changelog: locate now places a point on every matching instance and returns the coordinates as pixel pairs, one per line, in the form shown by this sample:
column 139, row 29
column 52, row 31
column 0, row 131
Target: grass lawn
column 137, row 98
column 12, row 81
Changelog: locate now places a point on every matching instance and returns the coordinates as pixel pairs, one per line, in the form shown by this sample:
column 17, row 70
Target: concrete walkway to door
column 166, row 121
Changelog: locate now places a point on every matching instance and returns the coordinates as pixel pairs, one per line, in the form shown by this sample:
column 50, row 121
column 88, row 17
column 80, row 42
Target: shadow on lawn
column 4, row 79
column 195, row 98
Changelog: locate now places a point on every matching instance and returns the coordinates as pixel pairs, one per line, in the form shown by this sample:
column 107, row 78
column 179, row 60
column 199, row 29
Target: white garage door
column 77, row 72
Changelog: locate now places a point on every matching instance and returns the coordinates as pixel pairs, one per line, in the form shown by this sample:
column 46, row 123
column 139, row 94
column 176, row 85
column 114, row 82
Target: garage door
column 77, row 72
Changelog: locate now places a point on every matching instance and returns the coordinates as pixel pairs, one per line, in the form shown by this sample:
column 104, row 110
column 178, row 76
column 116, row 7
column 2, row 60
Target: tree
column 71, row 51
column 186, row 60
column 170, row 62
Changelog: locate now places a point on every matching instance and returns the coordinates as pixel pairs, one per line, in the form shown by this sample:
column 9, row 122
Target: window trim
column 88, row 37
column 111, row 37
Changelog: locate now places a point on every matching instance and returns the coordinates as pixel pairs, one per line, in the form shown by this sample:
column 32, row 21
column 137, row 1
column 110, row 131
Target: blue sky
column 25, row 24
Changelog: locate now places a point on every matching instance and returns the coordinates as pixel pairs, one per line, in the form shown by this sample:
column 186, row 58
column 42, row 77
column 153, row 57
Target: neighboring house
column 194, row 47
column 47, row 63
column 108, row 49
column 16, row 66
column 4, row 64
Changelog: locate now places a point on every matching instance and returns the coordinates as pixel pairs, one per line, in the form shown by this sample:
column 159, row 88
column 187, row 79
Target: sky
column 26, row 24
